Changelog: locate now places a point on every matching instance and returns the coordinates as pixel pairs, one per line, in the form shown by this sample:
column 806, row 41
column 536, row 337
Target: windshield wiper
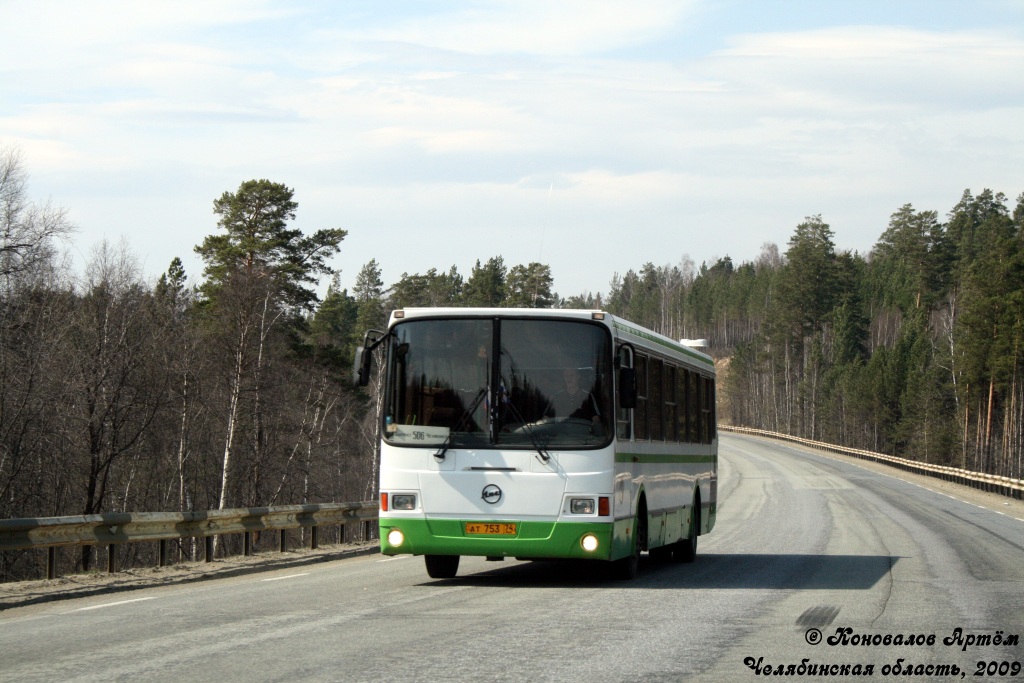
column 467, row 415
column 504, row 399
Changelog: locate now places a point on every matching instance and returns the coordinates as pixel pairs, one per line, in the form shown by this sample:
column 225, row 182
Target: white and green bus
column 541, row 433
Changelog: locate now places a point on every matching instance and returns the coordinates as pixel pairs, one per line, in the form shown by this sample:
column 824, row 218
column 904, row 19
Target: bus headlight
column 396, row 538
column 581, row 506
column 403, row 501
column 589, row 543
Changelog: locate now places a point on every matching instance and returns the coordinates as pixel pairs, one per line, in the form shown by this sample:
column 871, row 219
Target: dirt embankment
column 23, row 593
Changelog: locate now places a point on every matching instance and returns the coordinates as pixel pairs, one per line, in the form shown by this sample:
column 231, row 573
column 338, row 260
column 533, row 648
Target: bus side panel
column 709, row 507
column 668, row 488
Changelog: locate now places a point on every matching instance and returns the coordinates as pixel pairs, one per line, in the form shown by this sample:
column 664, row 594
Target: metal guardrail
column 1006, row 486
column 115, row 528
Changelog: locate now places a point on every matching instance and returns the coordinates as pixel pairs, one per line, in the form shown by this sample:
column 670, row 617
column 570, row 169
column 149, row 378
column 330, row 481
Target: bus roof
column 621, row 329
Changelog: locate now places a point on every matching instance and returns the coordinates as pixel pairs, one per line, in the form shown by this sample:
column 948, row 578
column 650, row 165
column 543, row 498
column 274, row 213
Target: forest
column 231, row 388
column 913, row 349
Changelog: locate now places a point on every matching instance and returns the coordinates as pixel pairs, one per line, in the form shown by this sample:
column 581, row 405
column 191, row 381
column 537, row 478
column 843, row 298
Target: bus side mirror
column 361, row 366
column 364, row 357
column 627, row 388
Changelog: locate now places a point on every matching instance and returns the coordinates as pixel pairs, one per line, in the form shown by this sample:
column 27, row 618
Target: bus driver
column 573, row 401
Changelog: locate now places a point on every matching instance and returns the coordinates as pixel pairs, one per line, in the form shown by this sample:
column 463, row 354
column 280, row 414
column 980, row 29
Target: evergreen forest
column 231, row 387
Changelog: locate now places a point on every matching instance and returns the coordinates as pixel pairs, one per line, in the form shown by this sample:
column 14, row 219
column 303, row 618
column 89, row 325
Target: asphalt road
column 807, row 549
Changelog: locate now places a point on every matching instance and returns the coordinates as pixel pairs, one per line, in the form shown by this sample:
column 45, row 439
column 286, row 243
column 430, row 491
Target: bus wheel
column 661, row 553
column 686, row 549
column 628, row 568
column 441, row 566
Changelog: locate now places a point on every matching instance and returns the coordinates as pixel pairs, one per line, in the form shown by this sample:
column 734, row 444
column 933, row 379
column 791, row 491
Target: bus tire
column 686, row 549
column 441, row 566
column 628, row 568
column 661, row 553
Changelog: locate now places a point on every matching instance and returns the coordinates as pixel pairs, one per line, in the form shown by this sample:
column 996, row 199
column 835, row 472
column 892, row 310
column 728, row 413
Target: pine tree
column 529, row 287
column 333, row 327
column 809, row 286
column 486, row 284
column 369, row 295
column 259, row 278
column 988, row 330
column 911, row 257
column 258, row 244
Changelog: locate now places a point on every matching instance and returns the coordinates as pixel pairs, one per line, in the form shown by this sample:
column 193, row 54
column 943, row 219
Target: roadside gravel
column 23, row 593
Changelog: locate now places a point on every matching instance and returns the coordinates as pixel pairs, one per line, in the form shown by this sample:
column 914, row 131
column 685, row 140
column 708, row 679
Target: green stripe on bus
column 533, row 539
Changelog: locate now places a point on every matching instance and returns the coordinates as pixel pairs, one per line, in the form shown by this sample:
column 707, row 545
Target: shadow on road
column 719, row 571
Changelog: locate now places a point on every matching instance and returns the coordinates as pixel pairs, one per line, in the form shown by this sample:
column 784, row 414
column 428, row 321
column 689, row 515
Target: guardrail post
column 246, row 543
column 114, row 529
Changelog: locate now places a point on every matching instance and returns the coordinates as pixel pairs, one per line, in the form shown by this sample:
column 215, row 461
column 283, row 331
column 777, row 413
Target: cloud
column 538, row 27
column 566, row 131
column 872, row 67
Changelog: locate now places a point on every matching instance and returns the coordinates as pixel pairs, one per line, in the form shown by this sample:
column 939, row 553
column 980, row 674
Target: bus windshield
column 489, row 383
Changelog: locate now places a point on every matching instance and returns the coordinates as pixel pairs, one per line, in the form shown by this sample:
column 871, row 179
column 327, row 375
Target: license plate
column 497, row 528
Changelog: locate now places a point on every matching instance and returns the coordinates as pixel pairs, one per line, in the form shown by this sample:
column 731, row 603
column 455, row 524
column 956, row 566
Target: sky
column 589, row 135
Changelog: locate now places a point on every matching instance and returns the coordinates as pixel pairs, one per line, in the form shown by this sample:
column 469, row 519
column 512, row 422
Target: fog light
column 396, row 538
column 581, row 506
column 403, row 501
column 589, row 543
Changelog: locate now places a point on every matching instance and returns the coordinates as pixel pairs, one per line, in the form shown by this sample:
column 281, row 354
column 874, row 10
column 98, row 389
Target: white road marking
column 112, row 604
column 290, row 576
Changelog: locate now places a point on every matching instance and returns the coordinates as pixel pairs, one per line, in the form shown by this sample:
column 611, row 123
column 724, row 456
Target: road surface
column 807, row 549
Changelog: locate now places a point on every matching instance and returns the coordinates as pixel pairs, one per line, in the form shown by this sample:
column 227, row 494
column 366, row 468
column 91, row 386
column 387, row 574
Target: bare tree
column 117, row 373
column 33, row 303
column 28, row 231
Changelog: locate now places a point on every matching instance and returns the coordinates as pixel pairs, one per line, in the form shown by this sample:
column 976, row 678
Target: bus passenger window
column 709, row 409
column 640, row 413
column 682, row 378
column 656, row 407
column 693, row 407
column 671, row 420
column 623, row 423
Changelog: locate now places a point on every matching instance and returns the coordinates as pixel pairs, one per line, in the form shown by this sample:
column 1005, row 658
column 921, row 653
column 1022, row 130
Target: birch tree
column 260, row 274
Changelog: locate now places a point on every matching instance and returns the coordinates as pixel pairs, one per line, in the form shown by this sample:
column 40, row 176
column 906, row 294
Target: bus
column 541, row 434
